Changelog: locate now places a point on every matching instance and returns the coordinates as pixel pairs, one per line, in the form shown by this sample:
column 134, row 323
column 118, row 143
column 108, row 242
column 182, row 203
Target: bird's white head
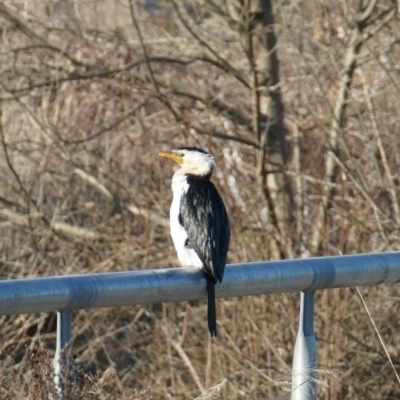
column 192, row 160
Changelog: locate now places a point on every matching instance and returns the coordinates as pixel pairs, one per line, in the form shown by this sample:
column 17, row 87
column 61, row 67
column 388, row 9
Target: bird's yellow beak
column 172, row 156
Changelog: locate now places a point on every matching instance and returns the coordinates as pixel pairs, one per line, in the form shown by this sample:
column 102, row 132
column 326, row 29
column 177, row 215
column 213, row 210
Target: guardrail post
column 63, row 362
column 305, row 365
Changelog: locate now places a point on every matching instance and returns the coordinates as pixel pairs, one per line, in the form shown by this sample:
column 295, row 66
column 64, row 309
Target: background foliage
column 298, row 102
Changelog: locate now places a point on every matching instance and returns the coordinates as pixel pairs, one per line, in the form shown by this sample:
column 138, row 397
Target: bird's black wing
column 204, row 217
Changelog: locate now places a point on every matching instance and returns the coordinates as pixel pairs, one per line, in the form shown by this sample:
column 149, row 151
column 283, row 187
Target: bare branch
column 111, row 126
column 224, row 63
column 74, row 66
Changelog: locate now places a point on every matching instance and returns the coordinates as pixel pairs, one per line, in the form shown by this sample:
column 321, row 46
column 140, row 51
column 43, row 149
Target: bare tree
column 365, row 24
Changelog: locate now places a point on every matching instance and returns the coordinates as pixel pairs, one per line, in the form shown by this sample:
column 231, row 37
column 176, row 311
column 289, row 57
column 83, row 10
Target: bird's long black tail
column 211, row 314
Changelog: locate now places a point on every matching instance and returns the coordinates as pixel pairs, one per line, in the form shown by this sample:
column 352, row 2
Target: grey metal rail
column 66, row 293
column 73, row 292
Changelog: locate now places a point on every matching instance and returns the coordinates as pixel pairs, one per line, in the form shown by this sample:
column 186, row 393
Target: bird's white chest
column 187, row 257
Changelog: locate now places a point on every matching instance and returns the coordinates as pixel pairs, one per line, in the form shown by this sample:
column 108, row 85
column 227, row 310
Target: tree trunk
column 269, row 127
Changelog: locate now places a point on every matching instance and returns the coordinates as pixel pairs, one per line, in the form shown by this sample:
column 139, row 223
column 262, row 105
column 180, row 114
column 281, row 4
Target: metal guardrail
column 66, row 293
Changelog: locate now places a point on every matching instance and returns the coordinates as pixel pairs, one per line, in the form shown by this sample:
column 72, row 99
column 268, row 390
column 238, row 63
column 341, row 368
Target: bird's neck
column 202, row 171
column 179, row 181
column 182, row 178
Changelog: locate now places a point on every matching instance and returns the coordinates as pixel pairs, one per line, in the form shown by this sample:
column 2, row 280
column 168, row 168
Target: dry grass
column 33, row 377
column 83, row 188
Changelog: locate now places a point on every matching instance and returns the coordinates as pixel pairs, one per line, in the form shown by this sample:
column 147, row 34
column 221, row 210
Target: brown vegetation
column 302, row 118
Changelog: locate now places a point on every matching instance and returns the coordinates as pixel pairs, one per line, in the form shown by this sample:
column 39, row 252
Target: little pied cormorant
column 199, row 222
